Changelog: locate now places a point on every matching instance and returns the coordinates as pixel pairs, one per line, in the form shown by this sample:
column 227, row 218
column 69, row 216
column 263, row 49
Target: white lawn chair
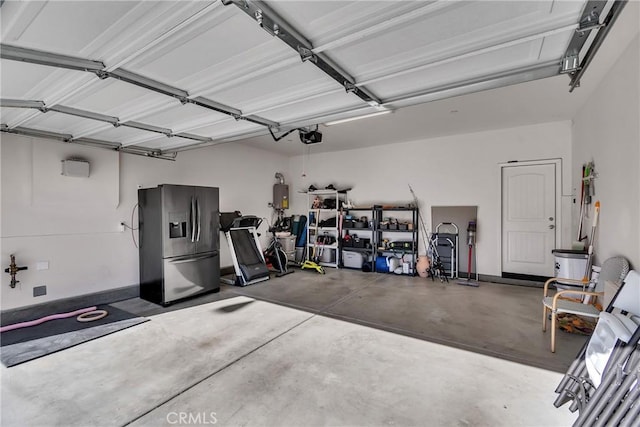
column 613, row 270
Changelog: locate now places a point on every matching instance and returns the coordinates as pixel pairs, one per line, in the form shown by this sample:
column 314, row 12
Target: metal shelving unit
column 408, row 255
column 327, row 254
column 366, row 232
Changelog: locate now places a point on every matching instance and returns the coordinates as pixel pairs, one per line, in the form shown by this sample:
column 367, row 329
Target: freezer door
column 191, row 275
column 207, row 229
column 178, row 220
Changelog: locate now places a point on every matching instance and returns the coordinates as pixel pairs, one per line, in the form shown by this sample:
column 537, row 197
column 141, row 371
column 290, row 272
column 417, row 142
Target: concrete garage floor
column 347, row 348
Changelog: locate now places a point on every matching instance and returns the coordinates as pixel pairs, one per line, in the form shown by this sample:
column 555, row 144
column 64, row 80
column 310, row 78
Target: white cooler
column 352, row 259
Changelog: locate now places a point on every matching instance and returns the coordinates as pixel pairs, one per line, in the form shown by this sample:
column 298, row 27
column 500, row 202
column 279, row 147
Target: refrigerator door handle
column 199, row 220
column 183, row 260
column 193, row 220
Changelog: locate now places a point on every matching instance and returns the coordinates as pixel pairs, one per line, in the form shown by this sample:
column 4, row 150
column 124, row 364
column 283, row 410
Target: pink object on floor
column 45, row 319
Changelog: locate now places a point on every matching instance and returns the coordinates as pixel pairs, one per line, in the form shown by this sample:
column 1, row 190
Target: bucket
column 328, row 256
column 395, row 265
column 382, row 266
column 388, row 264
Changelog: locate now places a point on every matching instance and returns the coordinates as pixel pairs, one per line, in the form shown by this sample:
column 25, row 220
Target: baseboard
column 31, row 312
column 512, row 281
column 224, row 271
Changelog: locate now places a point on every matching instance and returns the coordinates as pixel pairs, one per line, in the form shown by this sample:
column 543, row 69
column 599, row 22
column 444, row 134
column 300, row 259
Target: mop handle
column 587, row 270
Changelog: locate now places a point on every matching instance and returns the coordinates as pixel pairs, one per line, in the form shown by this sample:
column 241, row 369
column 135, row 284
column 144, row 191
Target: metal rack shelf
column 361, row 250
column 316, row 231
column 380, row 233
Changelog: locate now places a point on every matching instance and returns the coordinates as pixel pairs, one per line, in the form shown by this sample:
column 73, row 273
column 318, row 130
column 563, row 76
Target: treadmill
column 242, row 236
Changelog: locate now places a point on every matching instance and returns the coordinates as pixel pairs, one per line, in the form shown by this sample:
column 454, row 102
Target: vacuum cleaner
column 471, row 242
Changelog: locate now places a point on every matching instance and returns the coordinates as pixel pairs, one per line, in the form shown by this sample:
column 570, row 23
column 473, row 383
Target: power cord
column 124, row 224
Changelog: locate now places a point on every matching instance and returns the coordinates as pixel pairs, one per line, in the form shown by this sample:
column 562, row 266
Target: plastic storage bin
column 569, row 264
column 352, row 259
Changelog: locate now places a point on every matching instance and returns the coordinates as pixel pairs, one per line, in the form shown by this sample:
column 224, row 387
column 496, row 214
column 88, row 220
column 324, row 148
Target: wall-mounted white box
column 75, row 168
column 42, row 265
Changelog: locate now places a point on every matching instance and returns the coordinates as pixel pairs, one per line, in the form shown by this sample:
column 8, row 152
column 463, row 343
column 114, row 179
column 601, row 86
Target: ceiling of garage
column 165, row 76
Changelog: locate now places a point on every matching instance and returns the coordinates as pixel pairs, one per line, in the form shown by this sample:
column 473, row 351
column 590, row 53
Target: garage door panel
column 289, row 84
column 123, row 135
column 38, row 82
column 316, row 107
column 453, row 29
column 182, row 116
column 466, row 69
column 186, row 57
column 322, row 21
column 64, row 123
column 117, row 98
column 226, row 128
column 68, row 27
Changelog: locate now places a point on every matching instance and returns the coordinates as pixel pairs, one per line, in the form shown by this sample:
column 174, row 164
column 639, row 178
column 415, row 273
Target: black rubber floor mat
column 61, row 326
column 23, row 345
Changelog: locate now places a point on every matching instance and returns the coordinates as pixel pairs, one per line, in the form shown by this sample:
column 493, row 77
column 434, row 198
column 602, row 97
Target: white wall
column 73, row 222
column 460, row 170
column 607, row 131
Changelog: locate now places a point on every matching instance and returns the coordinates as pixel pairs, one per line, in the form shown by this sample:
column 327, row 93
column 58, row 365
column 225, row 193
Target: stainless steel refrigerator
column 179, row 242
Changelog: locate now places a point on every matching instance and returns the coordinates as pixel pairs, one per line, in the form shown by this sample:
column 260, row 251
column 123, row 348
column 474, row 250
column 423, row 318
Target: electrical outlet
column 121, row 227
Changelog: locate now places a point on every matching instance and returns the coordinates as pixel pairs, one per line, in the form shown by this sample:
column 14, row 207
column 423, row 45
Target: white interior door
column 528, row 219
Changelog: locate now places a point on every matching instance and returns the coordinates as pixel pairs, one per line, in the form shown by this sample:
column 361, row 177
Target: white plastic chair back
column 614, row 270
column 612, row 327
column 628, row 299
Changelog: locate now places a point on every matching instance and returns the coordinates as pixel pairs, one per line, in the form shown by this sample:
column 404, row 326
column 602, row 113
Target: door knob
column 550, row 218
column 552, row 226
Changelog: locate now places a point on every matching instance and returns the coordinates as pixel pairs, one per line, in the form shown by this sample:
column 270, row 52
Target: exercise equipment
column 244, row 243
column 275, row 254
